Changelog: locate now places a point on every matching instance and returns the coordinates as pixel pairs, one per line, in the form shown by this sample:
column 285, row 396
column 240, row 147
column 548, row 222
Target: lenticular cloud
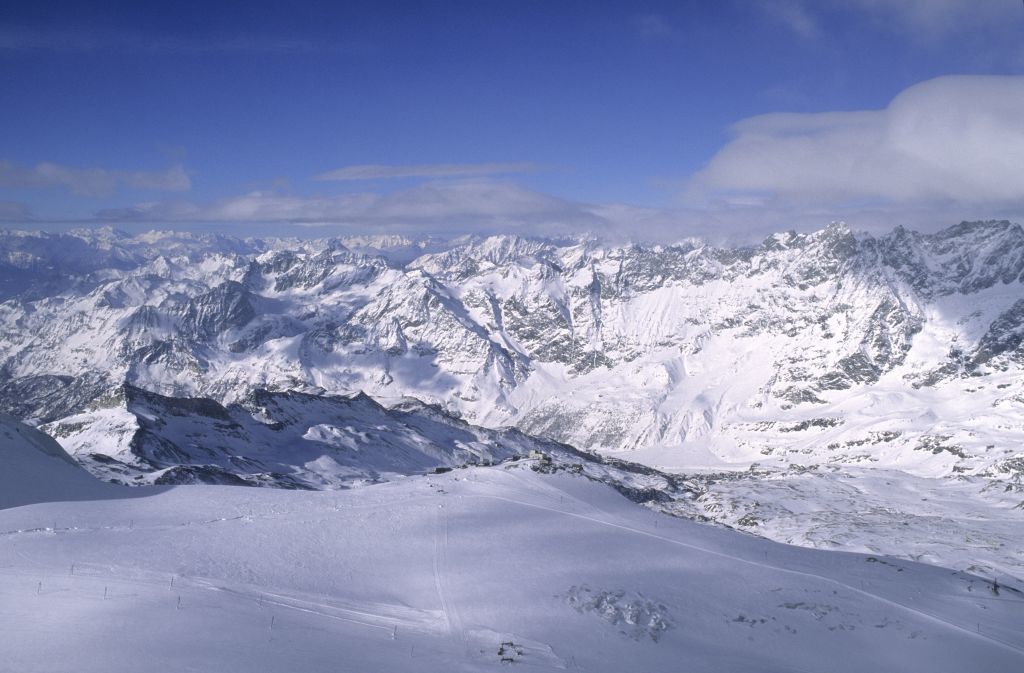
column 947, row 140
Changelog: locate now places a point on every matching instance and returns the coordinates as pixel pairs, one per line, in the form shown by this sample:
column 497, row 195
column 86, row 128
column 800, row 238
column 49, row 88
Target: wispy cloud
column 470, row 204
column 920, row 20
column 445, row 208
column 14, row 211
column 652, row 25
column 951, row 140
column 946, row 149
column 793, row 14
column 389, row 171
column 935, row 18
column 95, row 182
column 27, row 39
column 487, row 207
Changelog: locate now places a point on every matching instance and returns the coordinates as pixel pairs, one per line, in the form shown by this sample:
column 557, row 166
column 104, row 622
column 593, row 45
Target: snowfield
column 472, row 570
column 968, row 523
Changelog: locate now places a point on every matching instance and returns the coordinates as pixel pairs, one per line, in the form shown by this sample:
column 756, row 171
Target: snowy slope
column 36, row 469
column 455, row 573
column 300, row 440
column 968, row 523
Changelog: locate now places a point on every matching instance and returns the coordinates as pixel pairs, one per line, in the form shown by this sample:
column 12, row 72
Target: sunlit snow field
column 436, row 573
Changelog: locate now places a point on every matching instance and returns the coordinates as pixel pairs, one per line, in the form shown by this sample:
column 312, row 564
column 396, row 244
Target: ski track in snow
column 438, row 581
column 186, row 586
column 312, row 607
column 453, row 624
column 438, row 510
column 767, row 566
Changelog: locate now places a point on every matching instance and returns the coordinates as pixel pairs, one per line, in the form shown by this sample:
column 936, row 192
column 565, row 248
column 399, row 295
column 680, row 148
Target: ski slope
column 443, row 572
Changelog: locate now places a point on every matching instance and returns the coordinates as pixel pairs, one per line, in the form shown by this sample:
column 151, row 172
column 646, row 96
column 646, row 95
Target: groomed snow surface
column 473, row 570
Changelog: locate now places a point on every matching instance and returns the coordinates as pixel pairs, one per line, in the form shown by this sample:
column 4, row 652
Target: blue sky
column 643, row 119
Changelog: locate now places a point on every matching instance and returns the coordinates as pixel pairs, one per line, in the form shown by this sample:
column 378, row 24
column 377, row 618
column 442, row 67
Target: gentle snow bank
column 34, row 468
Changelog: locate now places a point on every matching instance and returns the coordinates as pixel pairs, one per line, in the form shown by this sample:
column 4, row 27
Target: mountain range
column 792, row 363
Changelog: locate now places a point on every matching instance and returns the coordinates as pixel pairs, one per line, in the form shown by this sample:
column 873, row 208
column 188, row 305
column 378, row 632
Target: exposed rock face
column 1001, row 343
column 226, row 307
column 279, row 439
column 609, row 347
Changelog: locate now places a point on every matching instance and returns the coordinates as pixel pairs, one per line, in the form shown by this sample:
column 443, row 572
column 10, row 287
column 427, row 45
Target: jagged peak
column 501, row 248
column 104, row 234
column 780, row 241
column 838, row 228
column 975, row 226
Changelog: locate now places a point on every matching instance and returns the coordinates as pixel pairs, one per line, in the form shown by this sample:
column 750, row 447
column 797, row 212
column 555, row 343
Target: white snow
column 36, row 469
column 442, row 573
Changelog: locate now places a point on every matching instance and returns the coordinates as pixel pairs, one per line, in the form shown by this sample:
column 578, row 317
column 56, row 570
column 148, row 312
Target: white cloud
column 934, row 18
column 389, row 171
column 91, row 181
column 942, row 151
column 27, row 39
column 796, row 16
column 951, row 140
column 485, row 206
column 473, row 205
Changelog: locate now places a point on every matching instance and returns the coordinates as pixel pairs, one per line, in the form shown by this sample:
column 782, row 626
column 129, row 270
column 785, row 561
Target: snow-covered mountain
column 280, row 439
column 827, row 341
column 295, row 440
column 289, row 440
column 785, row 371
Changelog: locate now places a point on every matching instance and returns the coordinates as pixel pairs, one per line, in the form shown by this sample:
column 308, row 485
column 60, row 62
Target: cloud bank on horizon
column 382, row 172
column 92, row 182
column 942, row 150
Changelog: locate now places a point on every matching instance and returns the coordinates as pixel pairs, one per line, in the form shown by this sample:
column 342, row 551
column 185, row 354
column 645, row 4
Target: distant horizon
column 413, row 237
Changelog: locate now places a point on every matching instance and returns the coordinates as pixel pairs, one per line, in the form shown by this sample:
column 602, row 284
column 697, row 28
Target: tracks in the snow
column 789, row 571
